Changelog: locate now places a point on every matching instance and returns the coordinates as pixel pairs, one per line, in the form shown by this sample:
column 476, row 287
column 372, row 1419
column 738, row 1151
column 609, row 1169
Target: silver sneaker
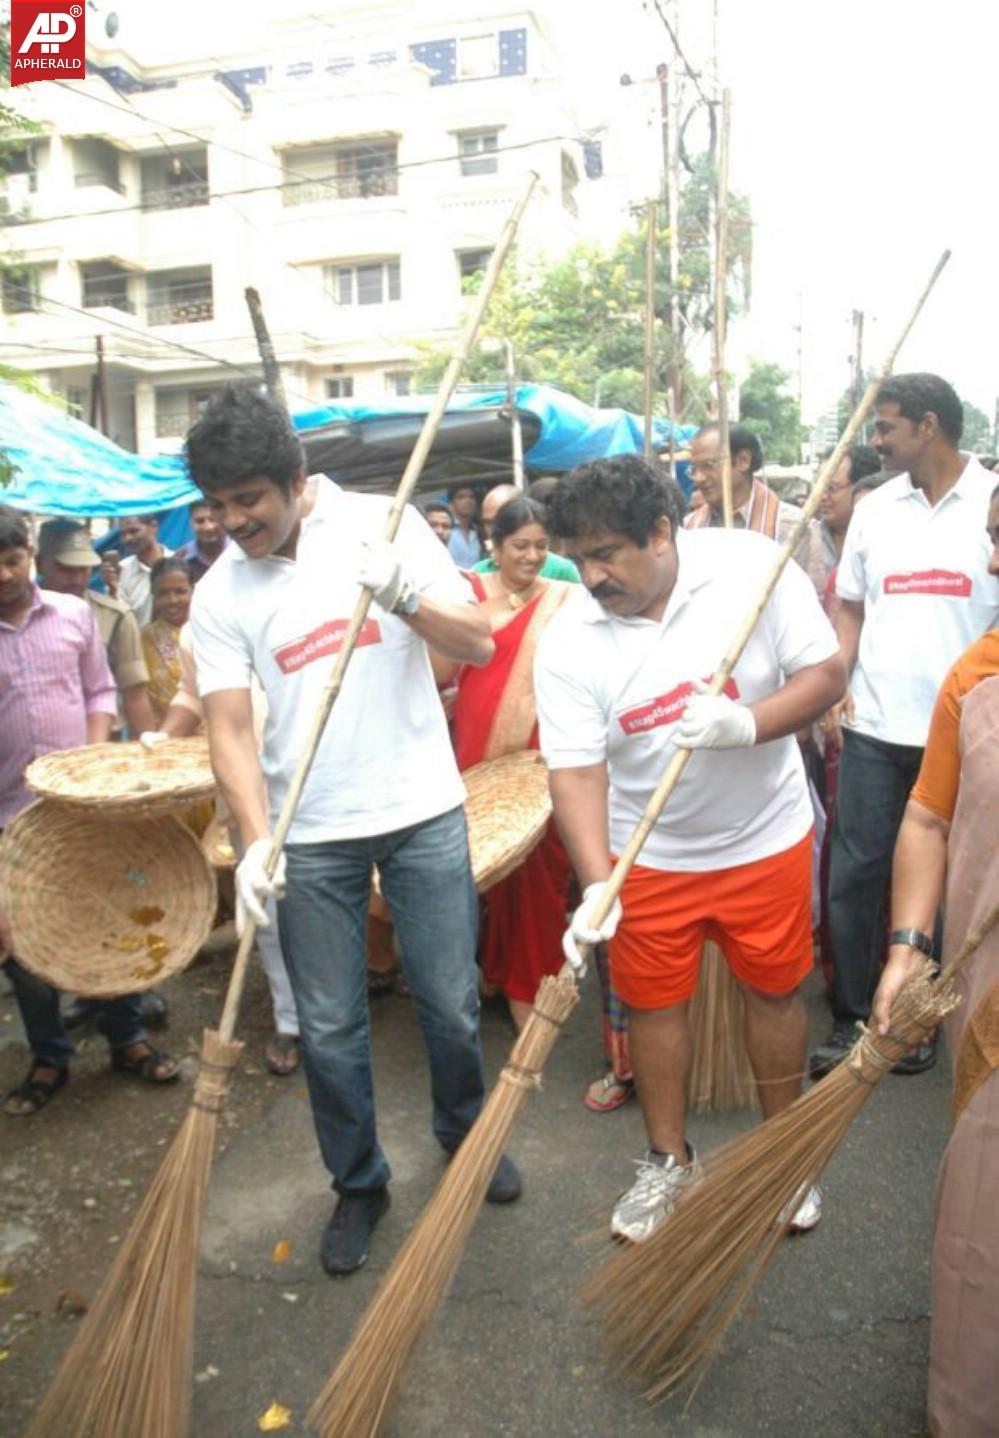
column 808, row 1212
column 653, row 1195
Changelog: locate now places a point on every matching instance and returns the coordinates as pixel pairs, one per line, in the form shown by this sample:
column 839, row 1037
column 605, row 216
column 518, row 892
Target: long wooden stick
column 721, row 317
column 410, row 476
column 650, row 325
column 675, row 767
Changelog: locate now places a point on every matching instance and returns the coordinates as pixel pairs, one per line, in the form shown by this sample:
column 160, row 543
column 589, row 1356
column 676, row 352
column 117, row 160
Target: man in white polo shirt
column 617, row 677
column 915, row 592
column 384, row 788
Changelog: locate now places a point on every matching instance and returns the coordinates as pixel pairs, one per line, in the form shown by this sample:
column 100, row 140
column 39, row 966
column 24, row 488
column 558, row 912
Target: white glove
column 381, row 571
column 582, row 929
column 713, row 721
column 254, row 888
column 152, row 739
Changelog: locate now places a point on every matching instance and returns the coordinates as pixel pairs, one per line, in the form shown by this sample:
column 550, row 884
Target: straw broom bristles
column 126, row 1371
column 666, row 1304
column 721, row 1076
column 360, row 1392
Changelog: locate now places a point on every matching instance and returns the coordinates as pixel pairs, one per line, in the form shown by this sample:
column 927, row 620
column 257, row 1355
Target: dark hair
column 242, row 434
column 15, row 531
column 514, row 515
column 541, row 490
column 623, row 495
column 740, row 437
column 142, row 518
column 458, row 486
column 436, row 506
column 870, row 482
column 169, row 564
column 864, row 460
column 202, row 502
column 920, row 394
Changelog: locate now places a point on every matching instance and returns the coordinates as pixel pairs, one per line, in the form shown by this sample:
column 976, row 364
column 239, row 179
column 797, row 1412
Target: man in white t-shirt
column 915, row 592
column 617, row 677
column 383, row 790
column 140, row 536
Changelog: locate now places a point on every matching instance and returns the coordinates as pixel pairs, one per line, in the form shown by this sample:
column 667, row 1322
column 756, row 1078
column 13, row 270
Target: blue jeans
column 426, row 880
column 120, row 1019
column 871, row 794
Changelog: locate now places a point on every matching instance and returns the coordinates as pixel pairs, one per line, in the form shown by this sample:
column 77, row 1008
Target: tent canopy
column 62, row 466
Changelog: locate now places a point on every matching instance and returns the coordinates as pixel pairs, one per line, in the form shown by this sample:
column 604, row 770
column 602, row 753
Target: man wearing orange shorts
column 618, row 674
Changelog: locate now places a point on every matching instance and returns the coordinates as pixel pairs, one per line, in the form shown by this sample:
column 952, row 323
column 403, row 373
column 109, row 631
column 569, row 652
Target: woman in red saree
column 495, row 714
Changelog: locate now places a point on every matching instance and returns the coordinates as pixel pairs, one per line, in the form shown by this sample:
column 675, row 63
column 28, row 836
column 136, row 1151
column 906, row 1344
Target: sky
column 862, row 133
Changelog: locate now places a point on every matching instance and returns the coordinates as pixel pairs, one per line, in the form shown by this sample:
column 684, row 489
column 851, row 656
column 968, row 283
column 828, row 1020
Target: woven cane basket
column 508, row 808
column 126, row 779
column 100, row 908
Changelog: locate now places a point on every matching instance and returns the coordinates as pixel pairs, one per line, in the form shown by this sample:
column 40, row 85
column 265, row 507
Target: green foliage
column 977, row 433
column 579, row 323
column 768, row 408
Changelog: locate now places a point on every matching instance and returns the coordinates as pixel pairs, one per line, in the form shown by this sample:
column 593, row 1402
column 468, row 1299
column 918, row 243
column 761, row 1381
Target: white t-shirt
column 612, row 688
column 385, row 760
column 135, row 586
column 922, row 574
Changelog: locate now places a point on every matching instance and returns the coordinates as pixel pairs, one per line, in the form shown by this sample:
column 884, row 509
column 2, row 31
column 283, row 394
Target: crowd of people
column 583, row 618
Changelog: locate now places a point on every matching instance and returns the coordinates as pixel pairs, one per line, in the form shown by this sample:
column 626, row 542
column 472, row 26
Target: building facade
column 357, row 176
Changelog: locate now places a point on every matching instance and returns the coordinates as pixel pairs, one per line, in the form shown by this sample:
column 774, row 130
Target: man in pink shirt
column 56, row 692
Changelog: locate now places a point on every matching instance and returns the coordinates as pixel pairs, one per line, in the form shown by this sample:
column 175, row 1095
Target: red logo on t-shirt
column 665, row 709
column 929, row 581
column 327, row 639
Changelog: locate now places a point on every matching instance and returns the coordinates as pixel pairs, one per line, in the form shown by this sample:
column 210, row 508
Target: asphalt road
column 833, row 1344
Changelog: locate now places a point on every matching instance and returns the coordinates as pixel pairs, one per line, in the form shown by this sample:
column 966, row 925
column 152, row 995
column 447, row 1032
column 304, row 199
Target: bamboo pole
column 650, row 324
column 721, row 318
column 265, row 346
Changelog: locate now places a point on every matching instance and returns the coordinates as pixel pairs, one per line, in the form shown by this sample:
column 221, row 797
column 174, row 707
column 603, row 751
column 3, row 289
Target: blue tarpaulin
column 62, row 466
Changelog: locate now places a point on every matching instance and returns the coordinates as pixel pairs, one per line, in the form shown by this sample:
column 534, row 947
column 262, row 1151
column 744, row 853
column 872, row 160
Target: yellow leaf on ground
column 7, row 1285
column 4, row 1354
column 276, row 1417
column 282, row 1251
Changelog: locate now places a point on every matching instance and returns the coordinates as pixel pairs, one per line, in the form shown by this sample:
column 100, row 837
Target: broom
column 666, row 1304
column 358, row 1395
column 721, row 1076
column 127, row 1373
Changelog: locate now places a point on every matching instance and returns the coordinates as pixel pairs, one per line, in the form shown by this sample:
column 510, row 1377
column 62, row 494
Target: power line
column 691, row 73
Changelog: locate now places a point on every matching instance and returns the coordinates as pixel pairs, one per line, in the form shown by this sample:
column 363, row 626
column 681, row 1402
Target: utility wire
column 691, row 73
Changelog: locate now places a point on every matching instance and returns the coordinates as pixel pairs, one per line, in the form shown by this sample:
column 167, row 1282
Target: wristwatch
column 913, row 939
column 408, row 602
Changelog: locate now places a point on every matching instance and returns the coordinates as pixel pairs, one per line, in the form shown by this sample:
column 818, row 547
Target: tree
column 771, row 411
column 579, row 323
column 977, row 433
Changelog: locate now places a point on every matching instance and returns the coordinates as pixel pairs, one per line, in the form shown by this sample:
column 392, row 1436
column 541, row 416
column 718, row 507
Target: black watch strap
column 914, row 939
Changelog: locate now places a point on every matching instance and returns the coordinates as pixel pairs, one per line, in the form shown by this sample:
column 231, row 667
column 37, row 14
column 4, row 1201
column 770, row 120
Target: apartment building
column 356, row 175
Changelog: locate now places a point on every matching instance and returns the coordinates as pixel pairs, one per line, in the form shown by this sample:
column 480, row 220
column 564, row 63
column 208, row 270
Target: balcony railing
column 172, row 422
column 176, row 197
column 340, row 187
column 107, row 300
column 180, row 312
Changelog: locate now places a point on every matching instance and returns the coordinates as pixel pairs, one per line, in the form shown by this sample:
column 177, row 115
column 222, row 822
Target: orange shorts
column 759, row 914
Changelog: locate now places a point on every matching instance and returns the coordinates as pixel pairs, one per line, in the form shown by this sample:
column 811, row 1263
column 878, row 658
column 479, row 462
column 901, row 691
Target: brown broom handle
column 676, row 766
column 410, row 476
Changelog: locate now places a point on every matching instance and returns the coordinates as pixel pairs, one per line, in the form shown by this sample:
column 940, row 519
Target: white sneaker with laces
column 653, row 1195
column 808, row 1212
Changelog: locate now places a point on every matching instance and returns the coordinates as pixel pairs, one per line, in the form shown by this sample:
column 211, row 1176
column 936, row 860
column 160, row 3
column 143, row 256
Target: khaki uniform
column 119, row 630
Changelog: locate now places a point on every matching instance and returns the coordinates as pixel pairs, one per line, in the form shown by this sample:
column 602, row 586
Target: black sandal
column 35, row 1092
column 144, row 1066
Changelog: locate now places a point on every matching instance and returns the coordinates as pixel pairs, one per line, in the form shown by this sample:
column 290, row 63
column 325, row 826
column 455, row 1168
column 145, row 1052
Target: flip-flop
column 35, row 1092
column 608, row 1093
column 283, row 1054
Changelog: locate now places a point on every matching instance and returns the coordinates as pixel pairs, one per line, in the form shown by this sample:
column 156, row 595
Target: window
column 179, row 297
column 95, row 162
column 340, row 387
column 478, row 57
column 472, row 262
column 20, row 291
column 398, row 382
column 76, row 400
column 372, row 282
column 177, row 409
column 176, row 180
column 105, row 284
column 340, row 172
column 477, row 152
column 22, row 161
